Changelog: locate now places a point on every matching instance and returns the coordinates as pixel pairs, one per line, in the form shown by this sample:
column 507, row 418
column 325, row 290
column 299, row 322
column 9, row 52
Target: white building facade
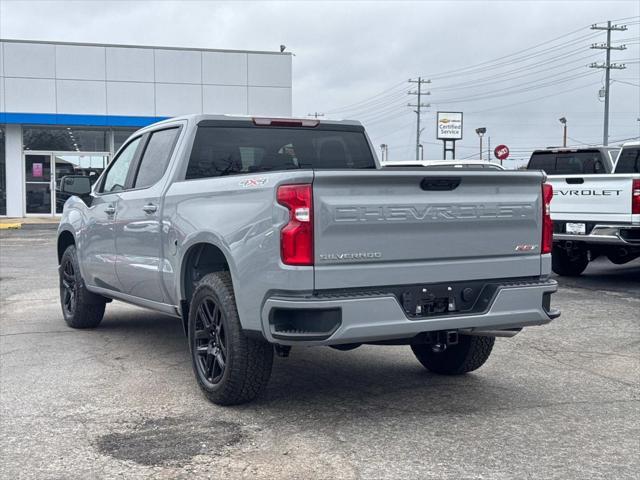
column 66, row 108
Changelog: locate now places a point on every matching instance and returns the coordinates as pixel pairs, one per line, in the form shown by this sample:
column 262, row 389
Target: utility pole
column 418, row 108
column 315, row 114
column 608, row 66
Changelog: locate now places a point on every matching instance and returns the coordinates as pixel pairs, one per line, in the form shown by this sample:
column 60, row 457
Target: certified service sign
column 449, row 125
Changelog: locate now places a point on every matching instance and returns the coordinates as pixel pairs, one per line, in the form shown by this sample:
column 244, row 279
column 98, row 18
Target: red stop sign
column 501, row 152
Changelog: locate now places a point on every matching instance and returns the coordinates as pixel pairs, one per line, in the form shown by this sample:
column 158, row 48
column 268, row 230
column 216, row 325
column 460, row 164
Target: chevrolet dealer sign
column 449, row 125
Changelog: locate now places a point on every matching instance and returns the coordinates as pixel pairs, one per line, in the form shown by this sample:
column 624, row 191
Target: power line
column 507, row 77
column 626, row 83
column 489, row 64
column 625, row 18
column 515, row 90
column 590, row 84
column 368, row 99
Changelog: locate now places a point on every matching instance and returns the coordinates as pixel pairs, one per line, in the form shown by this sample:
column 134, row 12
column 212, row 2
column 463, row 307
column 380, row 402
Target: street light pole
column 563, row 121
column 384, row 152
column 481, row 131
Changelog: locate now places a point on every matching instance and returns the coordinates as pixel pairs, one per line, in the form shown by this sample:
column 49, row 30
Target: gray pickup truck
column 261, row 234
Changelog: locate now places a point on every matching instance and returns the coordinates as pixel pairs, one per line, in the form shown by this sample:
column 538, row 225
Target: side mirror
column 75, row 185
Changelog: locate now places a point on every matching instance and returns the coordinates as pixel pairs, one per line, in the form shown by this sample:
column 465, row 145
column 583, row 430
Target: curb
column 10, row 226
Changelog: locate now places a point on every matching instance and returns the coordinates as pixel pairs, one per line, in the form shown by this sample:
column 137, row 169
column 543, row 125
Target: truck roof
column 443, row 163
column 197, row 118
column 575, row 149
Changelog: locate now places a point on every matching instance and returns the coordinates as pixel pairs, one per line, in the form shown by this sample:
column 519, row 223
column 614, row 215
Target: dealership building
column 66, row 107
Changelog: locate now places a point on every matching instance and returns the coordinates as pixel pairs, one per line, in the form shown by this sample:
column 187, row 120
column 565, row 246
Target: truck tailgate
column 591, row 197
column 377, row 228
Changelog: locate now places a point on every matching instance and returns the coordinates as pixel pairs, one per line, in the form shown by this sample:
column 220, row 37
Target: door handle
column 110, row 210
column 150, row 208
column 440, row 183
column 574, row 181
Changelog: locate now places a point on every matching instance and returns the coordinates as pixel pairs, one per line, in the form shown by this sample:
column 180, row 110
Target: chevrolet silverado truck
column 262, row 234
column 595, row 214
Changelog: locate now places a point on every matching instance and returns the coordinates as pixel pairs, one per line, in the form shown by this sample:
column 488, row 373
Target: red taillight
column 635, row 197
column 547, row 224
column 296, row 237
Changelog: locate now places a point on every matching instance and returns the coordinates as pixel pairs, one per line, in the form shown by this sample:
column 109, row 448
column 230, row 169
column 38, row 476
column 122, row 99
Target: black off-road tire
column 247, row 361
column 469, row 354
column 569, row 264
column 80, row 307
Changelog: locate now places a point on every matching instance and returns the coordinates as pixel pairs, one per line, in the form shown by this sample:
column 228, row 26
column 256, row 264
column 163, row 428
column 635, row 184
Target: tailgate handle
column 574, row 180
column 440, row 183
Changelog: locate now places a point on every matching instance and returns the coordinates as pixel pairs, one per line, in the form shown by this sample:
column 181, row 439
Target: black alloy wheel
column 230, row 367
column 210, row 345
column 68, row 287
column 80, row 307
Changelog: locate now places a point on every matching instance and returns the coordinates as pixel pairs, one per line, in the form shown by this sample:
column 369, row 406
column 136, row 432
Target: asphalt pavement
column 559, row 401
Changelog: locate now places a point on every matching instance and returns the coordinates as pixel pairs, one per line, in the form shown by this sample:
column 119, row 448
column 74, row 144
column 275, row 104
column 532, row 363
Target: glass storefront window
column 70, row 139
column 120, row 136
column 3, row 175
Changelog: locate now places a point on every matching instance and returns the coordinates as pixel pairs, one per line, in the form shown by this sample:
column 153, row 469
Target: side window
column 116, row 177
column 629, row 161
column 156, row 157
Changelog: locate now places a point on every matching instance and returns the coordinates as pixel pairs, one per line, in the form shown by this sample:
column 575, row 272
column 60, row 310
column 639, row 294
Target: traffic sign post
column 501, row 152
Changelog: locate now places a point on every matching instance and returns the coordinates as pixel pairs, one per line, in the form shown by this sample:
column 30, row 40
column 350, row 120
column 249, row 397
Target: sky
column 513, row 67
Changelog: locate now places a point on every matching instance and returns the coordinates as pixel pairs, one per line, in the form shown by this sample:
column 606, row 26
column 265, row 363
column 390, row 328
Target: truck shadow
column 603, row 274
column 321, row 383
column 378, row 381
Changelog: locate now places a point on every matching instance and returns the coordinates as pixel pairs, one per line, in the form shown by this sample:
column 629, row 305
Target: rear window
column 629, row 161
column 219, row 151
column 567, row 163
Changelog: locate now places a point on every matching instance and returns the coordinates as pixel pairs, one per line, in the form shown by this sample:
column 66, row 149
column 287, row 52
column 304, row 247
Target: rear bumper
column 606, row 234
column 373, row 317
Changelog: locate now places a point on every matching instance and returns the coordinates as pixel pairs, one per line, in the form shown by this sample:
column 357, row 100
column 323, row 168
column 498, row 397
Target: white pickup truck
column 596, row 214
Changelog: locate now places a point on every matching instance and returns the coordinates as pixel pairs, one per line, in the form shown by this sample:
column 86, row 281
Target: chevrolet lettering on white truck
column 594, row 214
column 262, row 234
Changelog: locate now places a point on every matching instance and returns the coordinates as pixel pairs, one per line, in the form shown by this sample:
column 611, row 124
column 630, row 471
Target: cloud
column 347, row 52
